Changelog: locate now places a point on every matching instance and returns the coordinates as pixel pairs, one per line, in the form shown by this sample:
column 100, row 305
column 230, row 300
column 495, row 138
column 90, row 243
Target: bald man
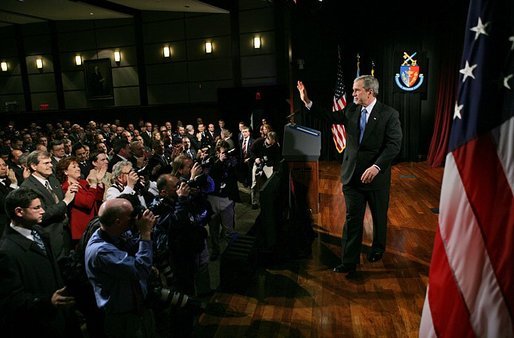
column 118, row 265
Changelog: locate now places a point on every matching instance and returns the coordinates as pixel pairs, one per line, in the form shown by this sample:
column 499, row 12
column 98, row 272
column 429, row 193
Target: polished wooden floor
column 304, row 298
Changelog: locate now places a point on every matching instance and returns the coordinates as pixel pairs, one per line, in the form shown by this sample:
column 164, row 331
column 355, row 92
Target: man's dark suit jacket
column 158, row 160
column 147, row 139
column 55, row 220
column 4, row 220
column 115, row 159
column 380, row 145
column 28, row 280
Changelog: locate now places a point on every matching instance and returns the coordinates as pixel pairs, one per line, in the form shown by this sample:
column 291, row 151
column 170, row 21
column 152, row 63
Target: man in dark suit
column 188, row 150
column 147, row 134
column 33, row 299
column 81, row 154
column 14, row 164
column 159, row 163
column 373, row 140
column 121, row 148
column 44, row 183
column 8, row 183
column 245, row 156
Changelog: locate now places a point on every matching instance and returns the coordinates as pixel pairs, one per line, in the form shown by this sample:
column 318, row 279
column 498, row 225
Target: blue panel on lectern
column 301, row 143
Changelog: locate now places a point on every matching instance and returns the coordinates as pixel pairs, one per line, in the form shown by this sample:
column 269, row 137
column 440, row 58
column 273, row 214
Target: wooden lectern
column 301, row 150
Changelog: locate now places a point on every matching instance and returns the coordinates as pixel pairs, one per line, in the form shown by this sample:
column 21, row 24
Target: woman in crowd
column 88, row 198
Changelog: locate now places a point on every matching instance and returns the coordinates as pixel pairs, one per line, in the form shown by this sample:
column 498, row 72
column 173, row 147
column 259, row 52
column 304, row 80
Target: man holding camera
column 119, row 266
column 125, row 181
column 224, row 196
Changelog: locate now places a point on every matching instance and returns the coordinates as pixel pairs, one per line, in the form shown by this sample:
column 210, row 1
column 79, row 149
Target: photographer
column 125, row 181
column 180, row 242
column 266, row 156
column 119, row 267
column 224, row 196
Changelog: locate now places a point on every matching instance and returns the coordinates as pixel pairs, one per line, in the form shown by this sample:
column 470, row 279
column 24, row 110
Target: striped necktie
column 49, row 188
column 38, row 240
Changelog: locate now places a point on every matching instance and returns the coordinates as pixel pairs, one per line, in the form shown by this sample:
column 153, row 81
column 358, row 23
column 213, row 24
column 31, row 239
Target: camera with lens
column 191, row 183
column 138, row 210
column 165, row 297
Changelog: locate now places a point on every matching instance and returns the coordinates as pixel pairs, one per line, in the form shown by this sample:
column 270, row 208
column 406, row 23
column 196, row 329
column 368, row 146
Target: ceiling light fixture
column 3, row 65
column 78, row 60
column 39, row 63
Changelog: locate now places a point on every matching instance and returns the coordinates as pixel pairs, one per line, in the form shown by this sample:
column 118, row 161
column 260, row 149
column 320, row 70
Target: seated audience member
column 119, row 266
column 88, row 198
column 33, row 300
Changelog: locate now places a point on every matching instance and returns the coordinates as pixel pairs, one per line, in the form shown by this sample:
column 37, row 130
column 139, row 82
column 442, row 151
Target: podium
column 301, row 150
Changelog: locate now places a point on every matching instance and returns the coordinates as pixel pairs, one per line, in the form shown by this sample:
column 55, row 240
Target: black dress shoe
column 345, row 268
column 375, row 256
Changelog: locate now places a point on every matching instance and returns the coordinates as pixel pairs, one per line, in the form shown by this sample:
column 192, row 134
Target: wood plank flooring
column 304, row 298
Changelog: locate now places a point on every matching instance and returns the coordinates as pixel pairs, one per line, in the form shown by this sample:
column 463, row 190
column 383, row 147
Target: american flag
column 338, row 131
column 471, row 282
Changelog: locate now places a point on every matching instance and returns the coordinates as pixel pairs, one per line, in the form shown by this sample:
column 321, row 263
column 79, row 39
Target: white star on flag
column 467, row 71
column 479, row 28
column 457, row 110
column 506, row 81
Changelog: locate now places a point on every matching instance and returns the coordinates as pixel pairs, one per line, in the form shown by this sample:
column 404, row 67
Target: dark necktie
column 38, row 240
column 49, row 188
column 362, row 124
column 245, row 146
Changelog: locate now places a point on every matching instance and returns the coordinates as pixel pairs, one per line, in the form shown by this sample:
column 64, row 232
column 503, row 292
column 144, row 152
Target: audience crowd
column 104, row 226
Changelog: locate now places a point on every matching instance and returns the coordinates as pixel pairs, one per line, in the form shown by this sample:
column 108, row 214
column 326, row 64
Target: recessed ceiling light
column 91, row 13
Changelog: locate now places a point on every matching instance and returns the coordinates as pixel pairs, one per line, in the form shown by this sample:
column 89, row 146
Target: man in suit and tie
column 245, row 154
column 33, row 299
column 147, row 134
column 82, row 156
column 188, row 150
column 54, row 202
column 15, row 165
column 121, row 148
column 57, row 151
column 160, row 162
column 373, row 140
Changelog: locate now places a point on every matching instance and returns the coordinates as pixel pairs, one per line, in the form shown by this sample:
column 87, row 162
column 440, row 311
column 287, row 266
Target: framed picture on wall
column 98, row 77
